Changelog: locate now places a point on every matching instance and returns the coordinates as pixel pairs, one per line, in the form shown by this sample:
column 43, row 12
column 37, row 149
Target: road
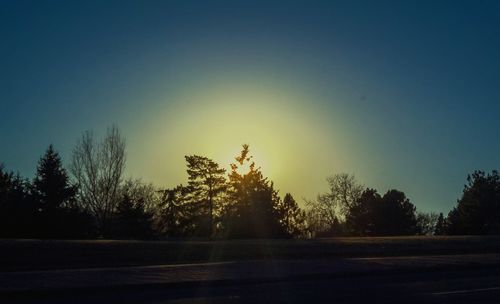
column 462, row 286
column 430, row 279
column 29, row 255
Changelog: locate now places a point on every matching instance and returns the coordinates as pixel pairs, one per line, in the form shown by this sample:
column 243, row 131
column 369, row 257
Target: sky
column 402, row 94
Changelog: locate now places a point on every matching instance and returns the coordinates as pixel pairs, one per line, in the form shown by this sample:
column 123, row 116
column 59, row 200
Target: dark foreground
column 462, row 286
column 347, row 270
column 471, row 278
column 18, row 255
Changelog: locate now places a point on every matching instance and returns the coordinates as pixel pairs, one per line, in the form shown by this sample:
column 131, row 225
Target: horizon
column 402, row 96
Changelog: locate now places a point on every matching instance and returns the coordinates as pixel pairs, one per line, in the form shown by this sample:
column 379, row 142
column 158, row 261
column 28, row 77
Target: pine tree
column 174, row 218
column 16, row 206
column 478, row 210
column 52, row 188
column 206, row 183
column 375, row 215
column 293, row 218
column 440, row 228
column 131, row 220
column 253, row 210
column 54, row 198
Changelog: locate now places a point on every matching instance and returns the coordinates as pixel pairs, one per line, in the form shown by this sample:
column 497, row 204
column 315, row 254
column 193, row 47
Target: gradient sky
column 404, row 94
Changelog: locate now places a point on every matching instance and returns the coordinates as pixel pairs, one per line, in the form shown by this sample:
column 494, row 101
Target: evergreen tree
column 131, row 220
column 397, row 215
column 293, row 218
column 206, row 184
column 253, row 208
column 175, row 217
column 361, row 215
column 51, row 185
column 391, row 214
column 478, row 210
column 440, row 228
column 57, row 215
column 17, row 210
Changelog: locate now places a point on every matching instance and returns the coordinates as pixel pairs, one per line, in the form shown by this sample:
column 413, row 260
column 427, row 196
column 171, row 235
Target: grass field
column 63, row 254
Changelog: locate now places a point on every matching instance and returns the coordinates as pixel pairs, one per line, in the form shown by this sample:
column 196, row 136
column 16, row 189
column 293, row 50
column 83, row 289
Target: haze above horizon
column 403, row 95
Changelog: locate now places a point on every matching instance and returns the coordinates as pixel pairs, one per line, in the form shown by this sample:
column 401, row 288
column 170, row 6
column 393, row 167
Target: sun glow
column 284, row 134
column 219, row 120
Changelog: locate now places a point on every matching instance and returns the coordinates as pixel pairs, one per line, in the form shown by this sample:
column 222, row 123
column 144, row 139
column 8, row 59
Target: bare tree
column 330, row 209
column 426, row 222
column 139, row 191
column 314, row 223
column 98, row 168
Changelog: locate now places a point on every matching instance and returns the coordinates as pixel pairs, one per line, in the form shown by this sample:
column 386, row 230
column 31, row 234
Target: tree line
column 91, row 198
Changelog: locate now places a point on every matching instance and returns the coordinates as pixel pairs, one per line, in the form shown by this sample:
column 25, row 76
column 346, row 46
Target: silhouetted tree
column 332, row 207
column 252, row 211
column 51, row 185
column 440, row 228
column 313, row 223
column 397, row 215
column 478, row 211
column 138, row 206
column 137, row 190
column 51, row 193
column 175, row 217
column 98, row 169
column 131, row 220
column 392, row 214
column 426, row 222
column 206, row 184
column 293, row 218
column 17, row 210
column 361, row 217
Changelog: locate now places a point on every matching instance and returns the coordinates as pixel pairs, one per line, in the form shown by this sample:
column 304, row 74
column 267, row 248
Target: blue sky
column 404, row 94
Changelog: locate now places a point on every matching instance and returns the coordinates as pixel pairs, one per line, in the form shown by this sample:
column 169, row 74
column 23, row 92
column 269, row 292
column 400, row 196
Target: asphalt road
column 466, row 285
column 29, row 255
